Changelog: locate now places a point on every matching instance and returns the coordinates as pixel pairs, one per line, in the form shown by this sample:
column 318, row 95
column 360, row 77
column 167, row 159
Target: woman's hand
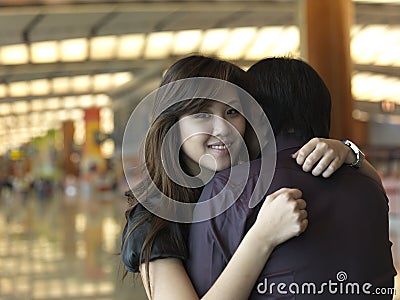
column 323, row 156
column 281, row 217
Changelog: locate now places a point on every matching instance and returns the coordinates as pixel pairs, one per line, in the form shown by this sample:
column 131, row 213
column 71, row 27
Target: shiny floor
column 64, row 247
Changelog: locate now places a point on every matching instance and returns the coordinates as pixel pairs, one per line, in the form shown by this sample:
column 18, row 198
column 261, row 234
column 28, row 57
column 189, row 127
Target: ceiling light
column 264, row 42
column 213, row 40
column 158, row 45
column 274, row 41
column 101, row 82
column 70, row 101
column 5, row 109
column 371, row 87
column 40, row 87
column 18, row 89
column 49, row 117
column 102, row 48
column 287, row 43
column 81, row 84
column 35, row 119
column 390, row 51
column 102, row 100
column 20, row 107
column 186, row 41
column 376, row 44
column 366, row 45
column 44, row 52
column 37, row 105
column 86, row 101
column 22, row 121
column 121, row 78
column 3, row 90
column 73, row 50
column 364, row 87
column 63, row 114
column 236, row 46
column 14, row 54
column 77, row 114
column 61, row 85
column 131, row 46
column 390, row 56
column 53, row 103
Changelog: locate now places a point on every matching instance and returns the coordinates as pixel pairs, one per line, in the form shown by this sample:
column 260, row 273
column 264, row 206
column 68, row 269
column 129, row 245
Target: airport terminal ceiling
column 60, row 57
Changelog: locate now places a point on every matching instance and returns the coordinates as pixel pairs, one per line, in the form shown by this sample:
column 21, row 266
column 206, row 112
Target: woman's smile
column 220, row 148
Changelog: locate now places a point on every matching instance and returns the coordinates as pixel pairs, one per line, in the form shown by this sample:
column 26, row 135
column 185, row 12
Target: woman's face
column 211, row 137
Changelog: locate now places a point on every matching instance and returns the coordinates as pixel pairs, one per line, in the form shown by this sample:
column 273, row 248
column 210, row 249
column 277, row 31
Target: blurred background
column 71, row 73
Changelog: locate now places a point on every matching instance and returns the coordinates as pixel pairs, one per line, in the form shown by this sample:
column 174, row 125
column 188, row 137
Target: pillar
column 68, row 142
column 326, row 34
column 92, row 160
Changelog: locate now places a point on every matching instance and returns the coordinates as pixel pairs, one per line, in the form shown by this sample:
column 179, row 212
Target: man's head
column 294, row 97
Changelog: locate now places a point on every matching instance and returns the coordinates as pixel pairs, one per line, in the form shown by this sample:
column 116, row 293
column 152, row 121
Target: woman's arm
column 324, row 156
column 169, row 279
column 281, row 217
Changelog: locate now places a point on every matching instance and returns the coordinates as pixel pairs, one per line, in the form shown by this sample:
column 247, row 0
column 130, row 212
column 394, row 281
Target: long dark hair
column 188, row 67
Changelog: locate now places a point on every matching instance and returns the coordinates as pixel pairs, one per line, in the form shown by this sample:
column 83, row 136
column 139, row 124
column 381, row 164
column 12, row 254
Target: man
column 345, row 251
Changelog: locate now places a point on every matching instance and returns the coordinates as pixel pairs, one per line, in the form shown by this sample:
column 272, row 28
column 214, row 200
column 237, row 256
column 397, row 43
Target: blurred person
column 7, row 196
column 5, row 185
column 347, row 239
column 157, row 247
column 24, row 185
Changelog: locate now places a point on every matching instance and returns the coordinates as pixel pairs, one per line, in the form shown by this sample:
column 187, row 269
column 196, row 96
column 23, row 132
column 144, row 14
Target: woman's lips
column 220, row 148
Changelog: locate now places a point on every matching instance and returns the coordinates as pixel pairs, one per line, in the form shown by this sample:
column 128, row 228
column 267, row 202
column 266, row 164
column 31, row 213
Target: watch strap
column 357, row 152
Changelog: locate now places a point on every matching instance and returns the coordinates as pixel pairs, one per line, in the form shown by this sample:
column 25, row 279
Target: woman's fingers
column 301, row 204
column 321, row 156
column 303, row 155
column 288, row 193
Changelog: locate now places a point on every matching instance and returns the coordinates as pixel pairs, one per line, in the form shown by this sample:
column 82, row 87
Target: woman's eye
column 232, row 111
column 202, row 115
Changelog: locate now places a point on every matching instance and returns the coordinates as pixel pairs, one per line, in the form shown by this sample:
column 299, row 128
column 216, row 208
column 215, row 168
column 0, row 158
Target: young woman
column 207, row 140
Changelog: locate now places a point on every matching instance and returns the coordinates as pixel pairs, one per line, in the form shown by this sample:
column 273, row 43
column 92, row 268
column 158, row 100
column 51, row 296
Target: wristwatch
column 357, row 152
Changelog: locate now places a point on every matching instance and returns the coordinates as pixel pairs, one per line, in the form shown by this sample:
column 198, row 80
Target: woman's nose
column 221, row 127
